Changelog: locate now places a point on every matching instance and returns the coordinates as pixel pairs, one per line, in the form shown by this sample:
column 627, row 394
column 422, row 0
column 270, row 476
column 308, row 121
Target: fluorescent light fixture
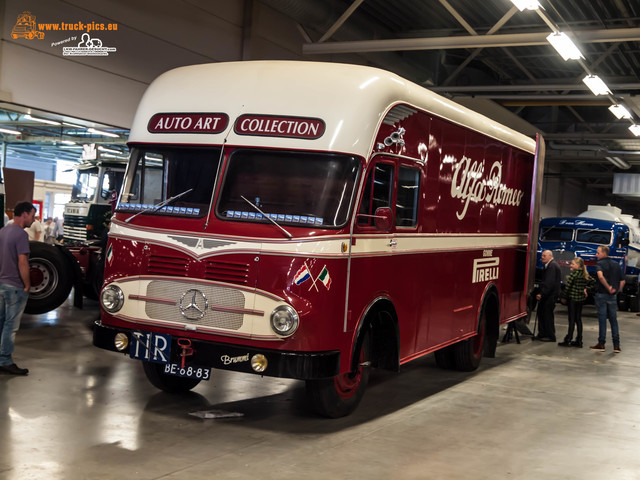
column 596, row 85
column 620, row 111
column 110, row 150
column 72, row 125
column 526, row 4
column 100, row 132
column 10, row 132
column 618, row 162
column 635, row 129
column 41, row 120
column 565, row 46
column 67, row 142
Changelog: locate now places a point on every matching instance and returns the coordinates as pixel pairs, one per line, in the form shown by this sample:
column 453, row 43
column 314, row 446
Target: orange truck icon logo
column 25, row 27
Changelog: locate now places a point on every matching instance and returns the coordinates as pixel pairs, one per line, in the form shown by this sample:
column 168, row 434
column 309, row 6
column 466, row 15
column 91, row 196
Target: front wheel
column 340, row 395
column 165, row 382
column 51, row 278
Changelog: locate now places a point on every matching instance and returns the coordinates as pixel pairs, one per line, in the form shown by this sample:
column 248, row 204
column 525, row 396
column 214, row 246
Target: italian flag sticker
column 109, row 254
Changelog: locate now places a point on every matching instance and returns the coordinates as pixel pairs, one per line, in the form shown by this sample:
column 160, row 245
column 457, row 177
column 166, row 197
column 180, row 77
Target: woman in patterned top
column 574, row 294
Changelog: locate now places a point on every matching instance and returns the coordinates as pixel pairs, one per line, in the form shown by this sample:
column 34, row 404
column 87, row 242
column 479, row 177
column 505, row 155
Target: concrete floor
column 535, row 411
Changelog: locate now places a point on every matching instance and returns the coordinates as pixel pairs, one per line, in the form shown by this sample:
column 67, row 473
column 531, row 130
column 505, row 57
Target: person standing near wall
column 14, row 283
column 549, row 291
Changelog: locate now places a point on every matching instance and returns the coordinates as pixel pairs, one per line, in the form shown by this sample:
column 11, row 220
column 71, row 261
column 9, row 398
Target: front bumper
column 299, row 365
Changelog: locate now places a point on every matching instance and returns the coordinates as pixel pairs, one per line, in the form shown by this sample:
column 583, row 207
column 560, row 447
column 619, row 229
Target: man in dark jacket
column 549, row 291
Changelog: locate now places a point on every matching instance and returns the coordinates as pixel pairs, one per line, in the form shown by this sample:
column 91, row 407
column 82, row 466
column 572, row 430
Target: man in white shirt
column 35, row 232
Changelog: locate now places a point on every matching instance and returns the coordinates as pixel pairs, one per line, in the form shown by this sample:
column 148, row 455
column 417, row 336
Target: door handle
column 393, row 243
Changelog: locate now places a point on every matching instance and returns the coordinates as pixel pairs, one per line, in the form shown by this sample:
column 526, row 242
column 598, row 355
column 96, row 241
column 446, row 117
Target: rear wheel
column 445, row 358
column 168, row 383
column 51, row 278
column 340, row 395
column 467, row 354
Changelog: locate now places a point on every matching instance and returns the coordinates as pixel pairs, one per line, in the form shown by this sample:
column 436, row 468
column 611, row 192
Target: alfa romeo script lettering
column 276, row 126
column 470, row 185
column 188, row 123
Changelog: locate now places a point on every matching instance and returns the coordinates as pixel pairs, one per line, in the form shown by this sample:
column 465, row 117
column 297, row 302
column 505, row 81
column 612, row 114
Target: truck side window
column 377, row 192
column 407, row 197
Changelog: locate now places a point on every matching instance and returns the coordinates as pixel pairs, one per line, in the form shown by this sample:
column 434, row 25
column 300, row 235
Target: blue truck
column 570, row 237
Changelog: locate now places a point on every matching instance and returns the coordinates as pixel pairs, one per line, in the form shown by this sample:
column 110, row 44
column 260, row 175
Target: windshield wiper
column 157, row 207
column 267, row 217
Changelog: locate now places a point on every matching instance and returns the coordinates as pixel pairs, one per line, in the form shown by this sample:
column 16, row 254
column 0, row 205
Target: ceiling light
column 100, row 132
column 620, row 111
column 565, row 46
column 526, row 4
column 41, row 120
column 67, row 142
column 10, row 132
column 635, row 129
column 110, row 150
column 618, row 162
column 596, row 85
column 72, row 125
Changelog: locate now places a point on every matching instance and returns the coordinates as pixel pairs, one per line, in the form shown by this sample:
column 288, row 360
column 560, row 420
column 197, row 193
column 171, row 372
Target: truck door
column 383, row 263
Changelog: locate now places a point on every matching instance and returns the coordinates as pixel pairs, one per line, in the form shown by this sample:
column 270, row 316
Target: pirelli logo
column 485, row 269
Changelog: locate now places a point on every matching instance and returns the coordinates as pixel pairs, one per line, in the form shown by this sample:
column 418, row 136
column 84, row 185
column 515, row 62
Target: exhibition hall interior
column 319, row 239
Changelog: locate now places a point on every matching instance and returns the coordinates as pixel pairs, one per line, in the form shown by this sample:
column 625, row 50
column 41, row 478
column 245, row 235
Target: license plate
column 189, row 371
column 150, row 347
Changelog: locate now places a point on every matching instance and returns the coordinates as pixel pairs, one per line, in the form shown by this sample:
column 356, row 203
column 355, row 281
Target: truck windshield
column 295, row 188
column 159, row 173
column 86, row 185
column 556, row 234
column 601, row 237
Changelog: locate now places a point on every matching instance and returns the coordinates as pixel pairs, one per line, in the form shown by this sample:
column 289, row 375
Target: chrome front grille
column 160, row 294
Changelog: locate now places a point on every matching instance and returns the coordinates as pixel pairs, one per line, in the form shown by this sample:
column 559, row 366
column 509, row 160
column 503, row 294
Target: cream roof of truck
column 352, row 100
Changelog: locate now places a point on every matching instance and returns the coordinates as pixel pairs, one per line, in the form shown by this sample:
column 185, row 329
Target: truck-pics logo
column 485, row 269
column 88, row 47
column 469, row 185
column 26, row 27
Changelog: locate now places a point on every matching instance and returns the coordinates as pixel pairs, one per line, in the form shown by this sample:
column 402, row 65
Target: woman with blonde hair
column 574, row 294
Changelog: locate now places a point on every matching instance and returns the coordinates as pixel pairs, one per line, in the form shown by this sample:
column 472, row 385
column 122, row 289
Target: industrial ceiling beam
column 529, row 87
column 468, row 41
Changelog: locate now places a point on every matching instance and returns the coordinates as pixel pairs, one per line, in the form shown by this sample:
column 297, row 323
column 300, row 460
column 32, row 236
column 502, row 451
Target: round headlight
column 284, row 320
column 112, row 298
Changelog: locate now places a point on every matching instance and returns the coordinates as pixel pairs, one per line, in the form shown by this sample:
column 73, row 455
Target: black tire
column 468, row 353
column 338, row 396
column 93, row 284
column 51, row 278
column 167, row 383
column 623, row 302
column 634, row 303
column 444, row 358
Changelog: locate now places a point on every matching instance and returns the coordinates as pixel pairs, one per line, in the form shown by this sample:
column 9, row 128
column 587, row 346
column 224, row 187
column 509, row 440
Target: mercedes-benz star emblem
column 193, row 304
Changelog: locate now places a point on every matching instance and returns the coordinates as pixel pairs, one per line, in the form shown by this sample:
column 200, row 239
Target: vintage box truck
column 313, row 221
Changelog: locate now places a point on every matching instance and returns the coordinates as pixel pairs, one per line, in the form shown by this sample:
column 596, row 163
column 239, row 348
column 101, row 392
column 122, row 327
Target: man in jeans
column 14, row 283
column 609, row 283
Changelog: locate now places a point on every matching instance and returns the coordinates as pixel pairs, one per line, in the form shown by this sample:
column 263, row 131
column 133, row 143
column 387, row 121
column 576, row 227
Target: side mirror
column 383, row 218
